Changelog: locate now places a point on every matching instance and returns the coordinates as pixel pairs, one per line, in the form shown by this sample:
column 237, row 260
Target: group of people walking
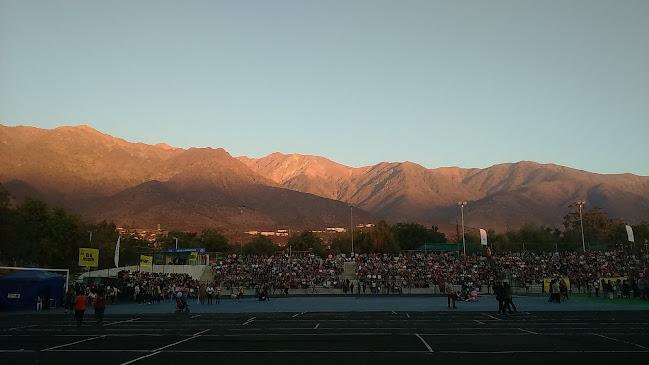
column 504, row 295
column 76, row 300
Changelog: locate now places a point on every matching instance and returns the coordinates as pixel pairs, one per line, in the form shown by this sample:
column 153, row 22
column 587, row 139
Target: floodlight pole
column 241, row 209
column 581, row 204
column 462, row 204
column 351, row 219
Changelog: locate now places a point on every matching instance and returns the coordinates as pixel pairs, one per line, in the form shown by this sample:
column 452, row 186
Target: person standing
column 450, row 293
column 563, row 289
column 556, row 294
column 509, row 301
column 218, row 295
column 80, row 307
column 202, row 293
column 643, row 286
column 69, row 301
column 210, row 294
column 100, row 306
column 499, row 291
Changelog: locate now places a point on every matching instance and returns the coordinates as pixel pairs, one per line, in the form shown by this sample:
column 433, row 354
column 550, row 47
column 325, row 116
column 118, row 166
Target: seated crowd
column 387, row 273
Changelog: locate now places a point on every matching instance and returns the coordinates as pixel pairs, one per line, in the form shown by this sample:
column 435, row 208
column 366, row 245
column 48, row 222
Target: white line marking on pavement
column 197, row 315
column 128, row 320
column 248, row 321
column 480, row 322
column 181, row 341
column 295, row 315
column 614, row 339
column 303, row 351
column 17, row 328
column 492, row 317
column 532, row 332
column 407, row 315
column 393, row 312
column 97, row 350
column 316, row 326
column 73, row 343
column 425, row 343
column 21, row 350
column 140, row 358
column 546, row 352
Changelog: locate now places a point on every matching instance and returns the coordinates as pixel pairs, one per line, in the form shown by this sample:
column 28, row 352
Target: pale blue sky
column 438, row 83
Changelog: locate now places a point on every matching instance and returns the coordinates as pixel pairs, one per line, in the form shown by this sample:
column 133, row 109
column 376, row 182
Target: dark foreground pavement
column 376, row 337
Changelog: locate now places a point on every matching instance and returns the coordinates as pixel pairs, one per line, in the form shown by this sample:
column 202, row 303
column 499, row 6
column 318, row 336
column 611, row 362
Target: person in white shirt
column 210, row 294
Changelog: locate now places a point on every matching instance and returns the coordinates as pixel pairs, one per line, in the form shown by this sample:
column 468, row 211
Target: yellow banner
column 193, row 256
column 146, row 260
column 546, row 283
column 88, row 257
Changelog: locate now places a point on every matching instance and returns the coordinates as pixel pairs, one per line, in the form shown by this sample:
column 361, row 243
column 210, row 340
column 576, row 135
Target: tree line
column 33, row 233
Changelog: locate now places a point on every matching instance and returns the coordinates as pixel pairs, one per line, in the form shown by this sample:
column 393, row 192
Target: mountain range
column 99, row 177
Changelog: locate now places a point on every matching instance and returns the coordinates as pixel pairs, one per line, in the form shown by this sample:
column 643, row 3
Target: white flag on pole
column 629, row 233
column 117, row 251
column 483, row 237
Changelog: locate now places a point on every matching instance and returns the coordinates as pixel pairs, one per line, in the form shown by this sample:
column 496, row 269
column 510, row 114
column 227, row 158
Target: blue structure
column 21, row 290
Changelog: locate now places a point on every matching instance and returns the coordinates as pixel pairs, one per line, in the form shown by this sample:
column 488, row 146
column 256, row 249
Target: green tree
column 341, row 243
column 641, row 235
column 104, row 238
column 185, row 240
column 8, row 234
column 261, row 245
column 411, row 236
column 598, row 228
column 382, row 238
column 214, row 241
column 5, row 197
column 306, row 241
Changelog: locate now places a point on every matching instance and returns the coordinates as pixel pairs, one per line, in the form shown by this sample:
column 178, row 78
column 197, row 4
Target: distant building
column 336, row 229
column 143, row 234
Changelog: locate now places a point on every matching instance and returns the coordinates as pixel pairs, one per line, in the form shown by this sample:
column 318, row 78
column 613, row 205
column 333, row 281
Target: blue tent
column 22, row 289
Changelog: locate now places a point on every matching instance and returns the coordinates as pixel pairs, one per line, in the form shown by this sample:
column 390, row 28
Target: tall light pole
column 176, row 238
column 90, row 232
column 581, row 204
column 351, row 219
column 462, row 204
column 241, row 208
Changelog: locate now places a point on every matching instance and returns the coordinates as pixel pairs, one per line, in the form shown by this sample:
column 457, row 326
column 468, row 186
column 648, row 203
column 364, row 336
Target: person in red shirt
column 80, row 306
column 100, row 306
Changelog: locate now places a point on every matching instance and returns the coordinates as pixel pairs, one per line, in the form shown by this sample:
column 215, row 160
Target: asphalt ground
column 545, row 332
